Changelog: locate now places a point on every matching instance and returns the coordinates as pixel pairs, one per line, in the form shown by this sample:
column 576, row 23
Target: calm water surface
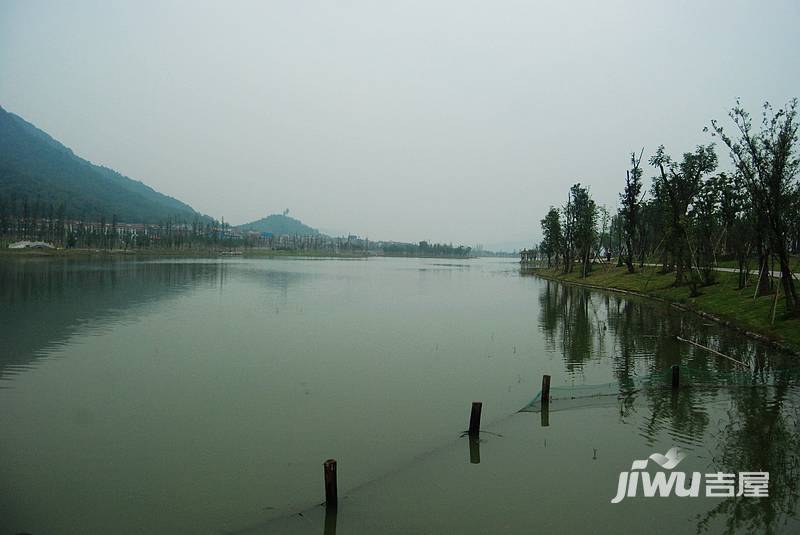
column 202, row 396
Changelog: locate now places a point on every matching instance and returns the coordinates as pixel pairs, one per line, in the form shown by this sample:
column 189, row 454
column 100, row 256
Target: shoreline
column 205, row 253
column 687, row 304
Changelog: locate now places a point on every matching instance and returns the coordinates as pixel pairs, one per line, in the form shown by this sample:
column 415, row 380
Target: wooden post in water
column 545, row 400
column 545, row 391
column 475, row 419
column 330, row 521
column 474, row 449
column 545, row 415
column 676, row 376
column 331, row 492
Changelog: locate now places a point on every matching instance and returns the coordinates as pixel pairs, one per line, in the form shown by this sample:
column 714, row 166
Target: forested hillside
column 38, row 172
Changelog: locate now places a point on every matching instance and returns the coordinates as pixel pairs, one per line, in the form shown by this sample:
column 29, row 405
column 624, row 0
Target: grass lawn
column 721, row 299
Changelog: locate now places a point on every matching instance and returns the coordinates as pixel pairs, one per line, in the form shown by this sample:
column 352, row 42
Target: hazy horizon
column 452, row 122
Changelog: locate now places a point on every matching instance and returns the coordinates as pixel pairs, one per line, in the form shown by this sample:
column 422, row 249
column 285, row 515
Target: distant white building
column 30, row 245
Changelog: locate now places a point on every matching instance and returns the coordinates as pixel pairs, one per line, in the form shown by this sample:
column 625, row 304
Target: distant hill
column 35, row 166
column 279, row 225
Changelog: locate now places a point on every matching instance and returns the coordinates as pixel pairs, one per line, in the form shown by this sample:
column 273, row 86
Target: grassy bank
column 722, row 300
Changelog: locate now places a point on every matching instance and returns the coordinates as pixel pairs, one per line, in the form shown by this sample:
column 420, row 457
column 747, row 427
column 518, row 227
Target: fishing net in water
column 595, row 395
column 563, row 397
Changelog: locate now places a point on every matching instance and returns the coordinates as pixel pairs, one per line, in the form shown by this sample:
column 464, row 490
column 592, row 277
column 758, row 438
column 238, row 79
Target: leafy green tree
column 768, row 164
column 568, row 233
column 678, row 185
column 585, row 225
column 551, row 236
column 707, row 227
column 616, row 234
column 631, row 201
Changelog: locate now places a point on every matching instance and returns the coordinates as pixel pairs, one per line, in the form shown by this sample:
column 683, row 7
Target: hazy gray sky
column 451, row 121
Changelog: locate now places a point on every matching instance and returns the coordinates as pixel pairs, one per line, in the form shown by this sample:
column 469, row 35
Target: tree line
column 692, row 216
column 40, row 221
column 21, row 219
column 424, row 248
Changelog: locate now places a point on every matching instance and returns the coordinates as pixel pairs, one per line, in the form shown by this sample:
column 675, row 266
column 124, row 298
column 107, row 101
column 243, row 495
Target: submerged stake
column 545, row 400
column 474, row 450
column 475, row 418
column 676, row 376
column 545, row 414
column 545, row 390
column 331, row 492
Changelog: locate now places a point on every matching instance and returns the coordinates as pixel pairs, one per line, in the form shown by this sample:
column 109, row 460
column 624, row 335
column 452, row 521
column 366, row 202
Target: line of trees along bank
column 21, row 219
column 424, row 248
column 692, row 216
column 37, row 221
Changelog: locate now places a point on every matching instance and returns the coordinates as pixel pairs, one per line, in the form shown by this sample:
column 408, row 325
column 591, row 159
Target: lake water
column 203, row 395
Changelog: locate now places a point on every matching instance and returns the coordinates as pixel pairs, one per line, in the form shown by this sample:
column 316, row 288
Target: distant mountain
column 279, row 225
column 35, row 166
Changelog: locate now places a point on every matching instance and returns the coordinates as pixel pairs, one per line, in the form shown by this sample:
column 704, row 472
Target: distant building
column 30, row 245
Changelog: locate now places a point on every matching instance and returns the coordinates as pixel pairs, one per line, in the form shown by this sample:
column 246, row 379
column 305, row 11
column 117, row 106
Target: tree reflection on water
column 759, row 430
